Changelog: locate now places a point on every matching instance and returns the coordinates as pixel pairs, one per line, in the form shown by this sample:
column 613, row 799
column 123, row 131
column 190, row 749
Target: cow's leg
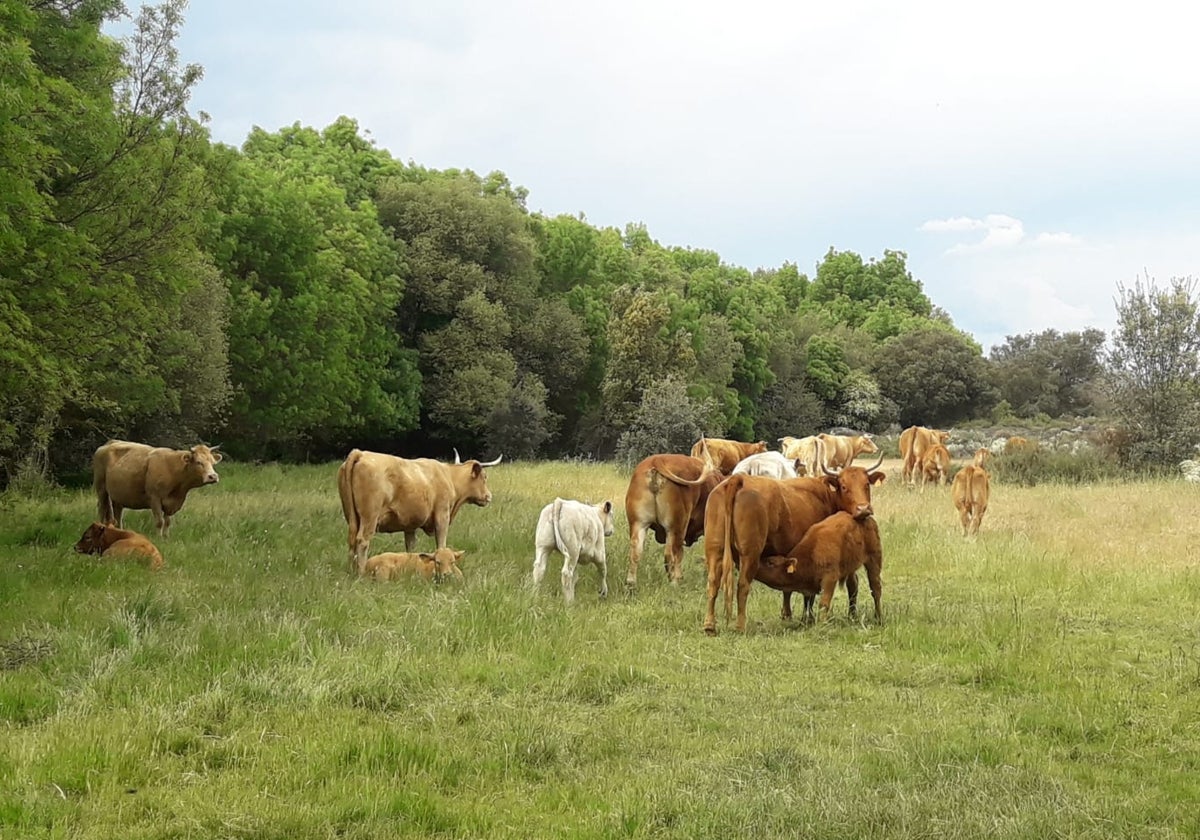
column 118, row 515
column 809, row 601
column 964, row 517
column 713, row 563
column 786, row 611
column 362, row 540
column 852, row 593
column 875, row 579
column 602, row 564
column 161, row 520
column 745, row 579
column 410, row 541
column 637, row 541
column 828, row 586
column 570, row 572
column 674, row 556
column 540, row 557
column 979, row 509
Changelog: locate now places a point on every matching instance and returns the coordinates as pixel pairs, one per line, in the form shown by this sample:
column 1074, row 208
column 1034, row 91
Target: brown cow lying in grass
column 111, row 541
column 393, row 565
column 830, row 552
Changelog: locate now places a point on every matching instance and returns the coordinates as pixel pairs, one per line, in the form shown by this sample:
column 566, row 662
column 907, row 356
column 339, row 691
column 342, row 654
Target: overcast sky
column 1027, row 156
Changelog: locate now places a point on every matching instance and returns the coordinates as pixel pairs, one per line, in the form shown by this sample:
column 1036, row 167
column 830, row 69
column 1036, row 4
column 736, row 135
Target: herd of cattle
column 798, row 520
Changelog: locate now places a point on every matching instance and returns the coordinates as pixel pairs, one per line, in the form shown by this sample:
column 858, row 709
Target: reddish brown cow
column 137, row 476
column 668, row 494
column 915, row 441
column 726, row 454
column 935, row 465
column 841, row 450
column 111, row 541
column 971, row 491
column 749, row 516
column 386, row 494
column 831, row 551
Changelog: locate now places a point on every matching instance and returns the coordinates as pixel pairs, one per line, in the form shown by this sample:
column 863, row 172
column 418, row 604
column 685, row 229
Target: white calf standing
column 770, row 464
column 577, row 532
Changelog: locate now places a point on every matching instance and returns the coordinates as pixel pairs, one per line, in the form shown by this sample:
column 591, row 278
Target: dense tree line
column 308, row 292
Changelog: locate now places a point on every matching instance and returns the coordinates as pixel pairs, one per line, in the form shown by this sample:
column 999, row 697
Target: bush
column 668, row 420
column 1027, row 467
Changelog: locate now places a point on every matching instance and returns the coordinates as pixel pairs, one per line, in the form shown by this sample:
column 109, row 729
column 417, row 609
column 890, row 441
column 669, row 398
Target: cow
column 748, row 517
column 982, row 456
column 841, row 450
column 384, row 493
column 770, row 464
column 802, row 449
column 138, row 476
column 110, row 541
column 1019, row 444
column 393, row 565
column 830, row 551
column 668, row 494
column 971, row 491
column 576, row 531
column 726, row 454
column 935, row 465
column 914, row 442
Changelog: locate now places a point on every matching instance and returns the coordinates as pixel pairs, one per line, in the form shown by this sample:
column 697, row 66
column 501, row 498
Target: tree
column 1048, row 372
column 935, row 375
column 1155, row 371
column 666, row 419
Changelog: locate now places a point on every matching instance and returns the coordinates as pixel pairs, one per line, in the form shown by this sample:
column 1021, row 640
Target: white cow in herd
column 770, row 464
column 576, row 531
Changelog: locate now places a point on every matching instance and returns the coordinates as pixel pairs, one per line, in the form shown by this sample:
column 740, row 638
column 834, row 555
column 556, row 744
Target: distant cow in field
column 1019, row 444
column 915, row 441
column 971, row 492
column 771, row 465
column 576, row 531
column 982, row 456
column 667, row 494
column 802, row 449
column 393, row 565
column 726, row 454
column 841, row 450
column 935, row 465
column 384, row 493
column 140, row 477
column 830, row 551
column 111, row 541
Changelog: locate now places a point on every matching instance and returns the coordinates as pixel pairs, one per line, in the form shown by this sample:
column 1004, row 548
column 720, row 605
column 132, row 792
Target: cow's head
column 866, row 446
column 982, row 456
column 606, row 517
column 476, row 490
column 200, row 462
column 445, row 563
column 92, row 541
column 801, row 469
column 755, row 448
column 853, row 485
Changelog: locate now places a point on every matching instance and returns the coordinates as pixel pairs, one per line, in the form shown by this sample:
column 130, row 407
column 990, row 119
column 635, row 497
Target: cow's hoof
column 710, row 630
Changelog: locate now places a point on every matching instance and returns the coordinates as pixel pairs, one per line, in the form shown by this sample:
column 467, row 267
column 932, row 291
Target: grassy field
column 1040, row 681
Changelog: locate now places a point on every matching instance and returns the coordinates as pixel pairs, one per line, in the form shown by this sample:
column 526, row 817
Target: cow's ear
column 186, row 457
column 458, row 556
column 877, row 477
column 216, row 456
column 607, row 506
column 476, row 469
column 832, row 481
column 426, row 558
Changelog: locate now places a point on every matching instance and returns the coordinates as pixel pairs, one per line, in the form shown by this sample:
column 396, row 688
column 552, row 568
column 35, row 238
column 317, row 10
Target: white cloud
column 1060, row 238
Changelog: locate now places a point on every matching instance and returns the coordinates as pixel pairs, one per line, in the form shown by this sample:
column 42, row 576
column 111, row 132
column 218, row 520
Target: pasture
column 1040, row 680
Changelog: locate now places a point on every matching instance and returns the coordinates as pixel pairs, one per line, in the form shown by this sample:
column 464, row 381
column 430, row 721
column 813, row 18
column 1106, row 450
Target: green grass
column 1041, row 680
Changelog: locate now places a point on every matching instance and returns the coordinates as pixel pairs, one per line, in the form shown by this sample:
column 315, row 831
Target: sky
column 1029, row 158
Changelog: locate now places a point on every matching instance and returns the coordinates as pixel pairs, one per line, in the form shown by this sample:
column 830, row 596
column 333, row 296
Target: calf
column 971, row 490
column 393, row 565
column 935, row 465
column 111, row 541
column 982, row 456
column 830, row 551
column 576, row 531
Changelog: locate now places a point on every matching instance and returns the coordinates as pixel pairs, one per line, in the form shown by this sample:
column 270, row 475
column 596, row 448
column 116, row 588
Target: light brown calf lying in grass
column 111, row 541
column 396, row 564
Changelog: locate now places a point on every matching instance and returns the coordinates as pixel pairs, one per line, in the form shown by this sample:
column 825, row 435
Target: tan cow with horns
column 384, row 493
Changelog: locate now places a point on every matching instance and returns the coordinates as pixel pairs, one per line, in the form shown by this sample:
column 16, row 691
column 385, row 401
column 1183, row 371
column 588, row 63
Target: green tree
column 667, row 419
column 1049, row 372
column 1154, row 365
column 935, row 375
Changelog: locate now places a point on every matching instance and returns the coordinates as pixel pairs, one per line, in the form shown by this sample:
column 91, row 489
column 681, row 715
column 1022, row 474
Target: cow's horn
column 491, row 463
column 875, row 466
column 457, row 460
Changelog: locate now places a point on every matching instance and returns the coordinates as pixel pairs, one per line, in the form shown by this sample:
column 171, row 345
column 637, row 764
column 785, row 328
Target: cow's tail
column 728, row 581
column 555, row 513
column 104, row 506
column 346, row 493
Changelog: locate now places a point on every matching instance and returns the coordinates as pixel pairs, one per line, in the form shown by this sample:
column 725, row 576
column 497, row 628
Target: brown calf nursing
column 111, row 541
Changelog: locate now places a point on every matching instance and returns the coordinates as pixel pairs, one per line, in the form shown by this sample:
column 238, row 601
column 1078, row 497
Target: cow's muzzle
column 211, row 478
column 863, row 512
